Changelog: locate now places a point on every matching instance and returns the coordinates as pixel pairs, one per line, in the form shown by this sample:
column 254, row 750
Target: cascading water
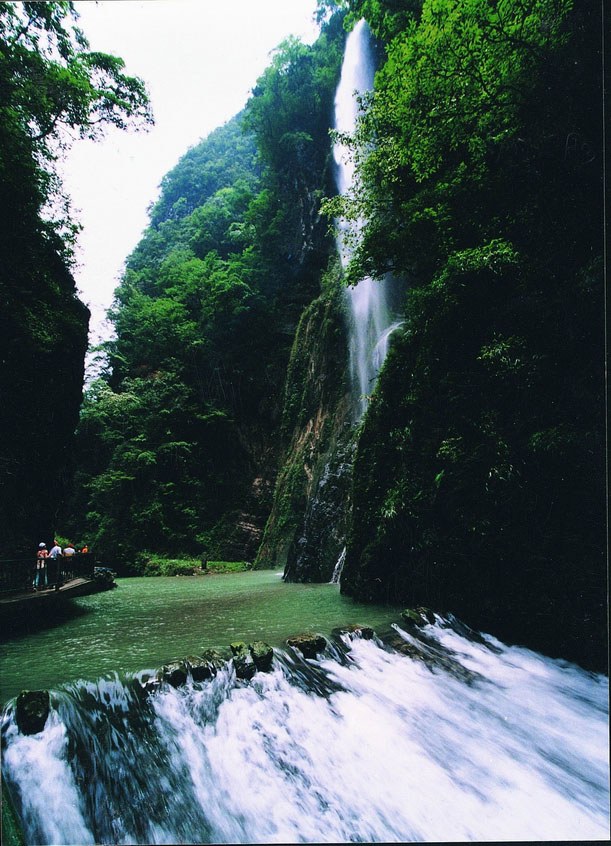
column 339, row 566
column 370, row 323
column 459, row 739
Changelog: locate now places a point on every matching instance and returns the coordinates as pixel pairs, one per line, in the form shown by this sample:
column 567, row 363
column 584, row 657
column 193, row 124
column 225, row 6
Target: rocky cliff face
column 43, row 326
column 306, row 528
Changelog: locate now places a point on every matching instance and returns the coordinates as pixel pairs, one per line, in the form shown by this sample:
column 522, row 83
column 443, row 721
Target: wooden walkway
column 72, row 588
column 28, row 610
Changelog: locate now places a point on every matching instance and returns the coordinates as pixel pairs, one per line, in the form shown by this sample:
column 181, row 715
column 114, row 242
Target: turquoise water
column 144, row 623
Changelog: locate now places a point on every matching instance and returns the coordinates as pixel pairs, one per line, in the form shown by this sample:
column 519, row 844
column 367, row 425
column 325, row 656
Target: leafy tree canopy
column 51, row 86
column 479, row 482
column 204, row 316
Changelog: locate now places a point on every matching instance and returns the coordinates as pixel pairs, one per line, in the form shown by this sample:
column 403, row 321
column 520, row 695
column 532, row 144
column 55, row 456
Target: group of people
column 48, row 564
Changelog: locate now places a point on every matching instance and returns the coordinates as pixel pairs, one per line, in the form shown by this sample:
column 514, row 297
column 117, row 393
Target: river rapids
column 435, row 734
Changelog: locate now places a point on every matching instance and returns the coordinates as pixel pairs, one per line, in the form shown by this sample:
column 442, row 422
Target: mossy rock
column 426, row 613
column 243, row 662
column 204, row 667
column 310, row 645
column 175, row 673
column 419, row 616
column 262, row 654
column 364, row 632
column 32, row 710
column 403, row 647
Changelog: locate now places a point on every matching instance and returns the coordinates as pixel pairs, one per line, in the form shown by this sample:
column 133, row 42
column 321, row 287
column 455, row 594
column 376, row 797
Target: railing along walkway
column 19, row 574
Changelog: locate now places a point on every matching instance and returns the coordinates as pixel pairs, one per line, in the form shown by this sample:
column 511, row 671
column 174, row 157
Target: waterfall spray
column 362, row 744
column 370, row 321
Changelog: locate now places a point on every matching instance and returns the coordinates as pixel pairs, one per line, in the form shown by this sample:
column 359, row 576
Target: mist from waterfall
column 370, row 320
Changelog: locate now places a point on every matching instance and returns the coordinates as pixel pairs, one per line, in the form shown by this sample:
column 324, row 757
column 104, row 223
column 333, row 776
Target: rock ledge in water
column 206, row 665
column 175, row 673
column 308, row 644
column 243, row 662
column 365, row 632
column 262, row 655
column 419, row 616
column 32, row 710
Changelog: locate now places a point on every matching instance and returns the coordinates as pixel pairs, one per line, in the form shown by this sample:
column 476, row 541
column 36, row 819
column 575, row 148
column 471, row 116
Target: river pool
column 146, row 622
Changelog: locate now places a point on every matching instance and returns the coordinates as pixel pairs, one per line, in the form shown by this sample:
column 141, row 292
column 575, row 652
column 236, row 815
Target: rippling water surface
column 145, row 622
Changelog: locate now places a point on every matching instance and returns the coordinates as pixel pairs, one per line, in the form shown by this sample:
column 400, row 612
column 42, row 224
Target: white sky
column 200, row 60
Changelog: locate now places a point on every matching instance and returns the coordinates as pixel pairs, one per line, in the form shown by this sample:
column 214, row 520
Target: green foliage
column 387, row 18
column 291, row 106
column 171, row 441
column 226, row 159
column 455, row 83
column 151, row 564
column 478, row 481
column 228, row 566
column 52, row 89
column 52, row 85
column 155, row 565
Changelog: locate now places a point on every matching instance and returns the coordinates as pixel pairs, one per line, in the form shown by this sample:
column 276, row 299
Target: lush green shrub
column 228, row 566
column 148, row 564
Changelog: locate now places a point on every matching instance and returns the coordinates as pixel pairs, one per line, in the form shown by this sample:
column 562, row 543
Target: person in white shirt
column 55, row 555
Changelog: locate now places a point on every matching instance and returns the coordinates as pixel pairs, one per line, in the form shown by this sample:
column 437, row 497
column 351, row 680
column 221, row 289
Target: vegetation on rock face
column 478, row 483
column 51, row 86
column 178, row 442
column 308, row 522
column 479, row 480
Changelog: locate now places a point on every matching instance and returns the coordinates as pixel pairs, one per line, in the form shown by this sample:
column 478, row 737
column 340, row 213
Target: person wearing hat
column 41, row 578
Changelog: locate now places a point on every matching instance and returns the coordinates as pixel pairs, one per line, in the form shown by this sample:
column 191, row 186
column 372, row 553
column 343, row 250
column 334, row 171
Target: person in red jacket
column 41, row 576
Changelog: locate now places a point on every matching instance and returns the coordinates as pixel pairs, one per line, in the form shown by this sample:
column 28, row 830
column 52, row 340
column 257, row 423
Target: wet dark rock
column 200, row 667
column 262, row 654
column 243, row 662
column 310, row 645
column 366, row 632
column 175, row 673
column 419, row 616
column 151, row 685
column 214, row 659
column 397, row 644
column 204, row 667
column 306, row 529
column 435, row 656
column 314, row 555
column 32, row 710
column 426, row 613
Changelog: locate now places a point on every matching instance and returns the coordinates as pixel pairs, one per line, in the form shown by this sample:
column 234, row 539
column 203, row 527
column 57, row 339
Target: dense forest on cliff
column 479, row 479
column 52, row 87
column 475, row 481
column 177, row 447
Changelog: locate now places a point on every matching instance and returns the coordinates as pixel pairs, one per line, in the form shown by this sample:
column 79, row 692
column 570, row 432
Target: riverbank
column 158, row 565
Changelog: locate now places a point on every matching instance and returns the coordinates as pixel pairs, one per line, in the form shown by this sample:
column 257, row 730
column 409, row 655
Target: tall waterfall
column 370, row 322
column 466, row 740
